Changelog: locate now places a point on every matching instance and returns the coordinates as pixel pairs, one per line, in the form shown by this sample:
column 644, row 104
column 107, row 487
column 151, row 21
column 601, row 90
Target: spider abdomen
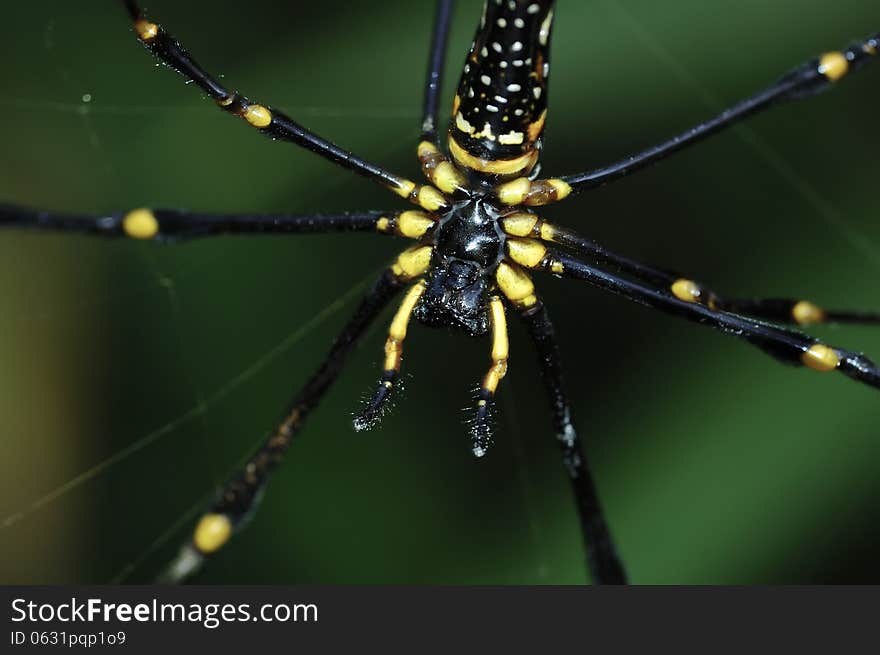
column 499, row 111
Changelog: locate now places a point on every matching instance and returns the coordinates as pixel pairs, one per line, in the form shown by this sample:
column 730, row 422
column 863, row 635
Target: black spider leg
column 436, row 166
column 269, row 121
column 806, row 80
column 237, row 500
column 602, row 559
column 781, row 310
column 173, row 224
column 786, row 345
column 436, row 64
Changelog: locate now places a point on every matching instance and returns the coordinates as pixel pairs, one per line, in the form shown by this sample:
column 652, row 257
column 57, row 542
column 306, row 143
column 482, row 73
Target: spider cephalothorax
column 468, row 246
column 477, row 237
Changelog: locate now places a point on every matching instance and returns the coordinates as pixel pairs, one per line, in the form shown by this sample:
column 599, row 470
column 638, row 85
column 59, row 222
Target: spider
column 477, row 235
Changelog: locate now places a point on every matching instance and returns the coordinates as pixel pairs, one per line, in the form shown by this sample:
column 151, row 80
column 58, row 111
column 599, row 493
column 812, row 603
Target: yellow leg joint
column 212, row 532
column 401, row 319
column 686, row 290
column 820, row 357
column 515, row 284
column 500, row 346
column 412, row 263
column 526, row 252
column 404, row 188
column 146, row 30
column 548, row 232
column 833, row 65
column 543, row 192
column 438, row 169
column 258, row 116
column 414, row 224
column 520, row 224
column 431, row 199
column 515, row 192
column 523, row 191
column 806, row 313
column 140, row 224
column 399, row 325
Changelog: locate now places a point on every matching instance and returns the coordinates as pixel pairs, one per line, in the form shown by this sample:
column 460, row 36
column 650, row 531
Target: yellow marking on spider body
column 520, row 224
column 869, row 49
column 456, row 103
column 140, row 224
column 462, row 124
column 526, row 252
column 557, row 267
column 485, row 133
column 414, row 224
column 412, row 263
column 500, row 346
column 521, row 164
column 146, row 30
column 383, row 224
column 514, row 192
column 686, row 290
column 537, row 127
column 399, row 324
column 512, row 138
column 806, row 313
column 833, row 65
column 258, row 116
column 516, row 285
column 228, row 100
column 820, row 357
column 212, row 531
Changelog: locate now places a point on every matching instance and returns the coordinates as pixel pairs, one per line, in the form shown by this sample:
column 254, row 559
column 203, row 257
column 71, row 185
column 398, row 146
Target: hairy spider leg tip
column 481, row 424
column 372, row 413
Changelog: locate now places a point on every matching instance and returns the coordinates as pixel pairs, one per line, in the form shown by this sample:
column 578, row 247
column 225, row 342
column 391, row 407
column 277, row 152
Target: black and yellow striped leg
column 237, row 500
column 173, row 224
column 411, row 264
column 788, row 346
column 783, row 310
column 269, row 121
column 372, row 412
column 602, row 560
column 812, row 77
column 481, row 427
column 527, row 231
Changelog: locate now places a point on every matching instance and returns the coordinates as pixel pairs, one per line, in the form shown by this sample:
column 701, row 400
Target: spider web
column 166, row 290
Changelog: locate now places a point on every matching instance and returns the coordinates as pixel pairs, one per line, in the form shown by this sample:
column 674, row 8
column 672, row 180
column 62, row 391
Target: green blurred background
column 716, row 464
